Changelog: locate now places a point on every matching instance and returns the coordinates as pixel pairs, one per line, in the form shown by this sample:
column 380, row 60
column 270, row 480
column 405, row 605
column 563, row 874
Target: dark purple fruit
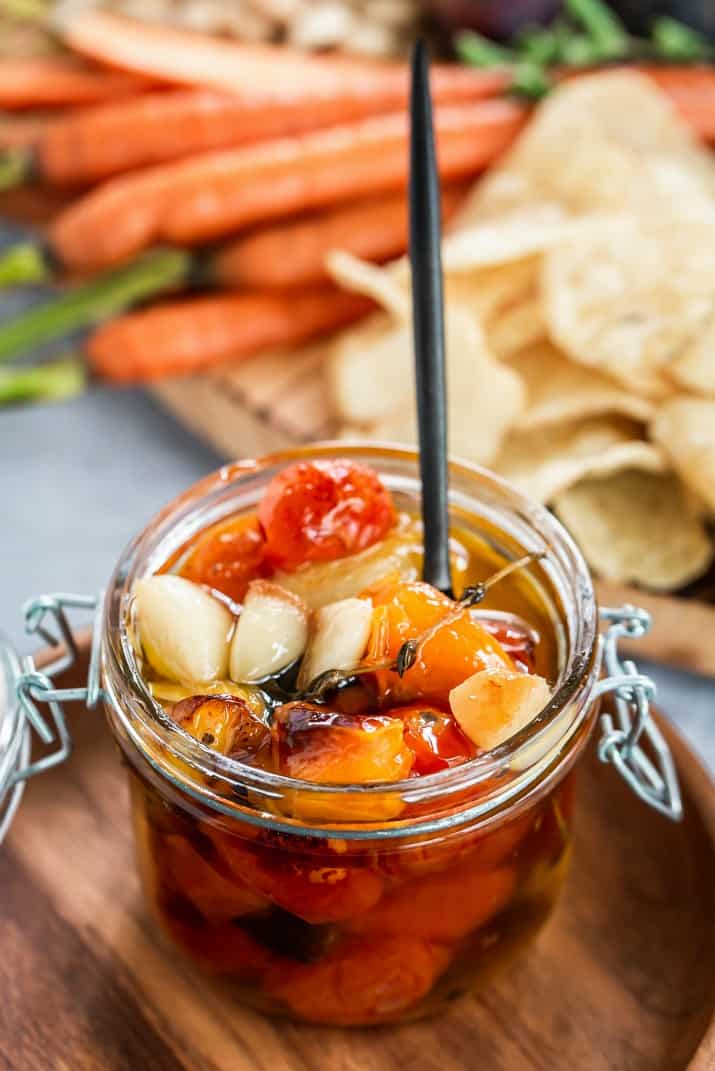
column 501, row 19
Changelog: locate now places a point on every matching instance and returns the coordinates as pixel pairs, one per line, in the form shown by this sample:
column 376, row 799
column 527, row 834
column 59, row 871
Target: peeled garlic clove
column 494, row 704
column 184, row 632
column 338, row 639
column 272, row 632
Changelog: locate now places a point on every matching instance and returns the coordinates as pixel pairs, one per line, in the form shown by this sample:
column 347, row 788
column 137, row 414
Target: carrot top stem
column 56, row 380
column 25, row 262
column 155, row 272
column 15, row 167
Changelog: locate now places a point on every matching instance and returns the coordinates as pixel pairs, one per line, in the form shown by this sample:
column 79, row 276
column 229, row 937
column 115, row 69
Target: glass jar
column 371, row 903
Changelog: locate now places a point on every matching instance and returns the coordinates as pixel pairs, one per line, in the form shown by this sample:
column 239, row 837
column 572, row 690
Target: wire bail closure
column 656, row 783
column 35, row 687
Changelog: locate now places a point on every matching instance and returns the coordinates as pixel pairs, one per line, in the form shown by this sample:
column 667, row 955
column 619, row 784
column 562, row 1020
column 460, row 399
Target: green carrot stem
column 608, row 34
column 479, row 51
column 23, row 263
column 111, row 293
column 63, row 378
column 675, row 41
column 15, row 167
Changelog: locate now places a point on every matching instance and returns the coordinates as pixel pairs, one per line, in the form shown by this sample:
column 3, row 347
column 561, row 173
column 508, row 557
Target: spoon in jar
column 428, row 327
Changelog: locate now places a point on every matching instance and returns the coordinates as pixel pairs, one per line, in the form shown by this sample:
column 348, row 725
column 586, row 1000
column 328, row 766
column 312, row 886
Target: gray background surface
column 77, row 480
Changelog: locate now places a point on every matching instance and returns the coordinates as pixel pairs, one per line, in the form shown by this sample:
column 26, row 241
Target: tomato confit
column 299, row 641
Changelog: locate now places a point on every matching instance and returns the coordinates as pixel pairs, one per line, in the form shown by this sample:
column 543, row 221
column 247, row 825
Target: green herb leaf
column 607, row 33
column 479, row 51
column 531, row 80
column 676, row 41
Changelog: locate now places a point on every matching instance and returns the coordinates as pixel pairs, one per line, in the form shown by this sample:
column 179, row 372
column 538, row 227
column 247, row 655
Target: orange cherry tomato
column 441, row 907
column 313, row 743
column 322, row 510
column 458, row 649
column 224, row 723
column 228, row 556
column 434, row 738
column 361, row 980
column 217, row 897
column 316, row 889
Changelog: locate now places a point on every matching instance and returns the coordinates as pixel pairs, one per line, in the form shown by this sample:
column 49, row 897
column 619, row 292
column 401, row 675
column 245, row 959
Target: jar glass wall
column 368, row 903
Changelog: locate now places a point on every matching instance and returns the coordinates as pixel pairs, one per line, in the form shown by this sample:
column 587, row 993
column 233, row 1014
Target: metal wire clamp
column 47, row 618
column 655, row 782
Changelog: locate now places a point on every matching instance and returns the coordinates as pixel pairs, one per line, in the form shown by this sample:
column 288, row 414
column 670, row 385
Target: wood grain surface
column 621, row 979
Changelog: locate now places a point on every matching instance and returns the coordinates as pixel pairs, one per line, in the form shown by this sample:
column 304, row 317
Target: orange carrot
column 293, row 254
column 56, row 81
column 106, row 140
column 692, row 91
column 187, row 336
column 260, row 72
column 19, row 131
column 215, row 194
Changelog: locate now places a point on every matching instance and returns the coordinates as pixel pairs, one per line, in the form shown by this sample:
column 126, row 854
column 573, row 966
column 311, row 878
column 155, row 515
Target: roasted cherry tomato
column 228, row 556
column 434, row 738
column 224, row 723
column 517, row 642
column 322, row 510
column 313, row 743
column 360, row 980
column 453, row 652
column 317, row 890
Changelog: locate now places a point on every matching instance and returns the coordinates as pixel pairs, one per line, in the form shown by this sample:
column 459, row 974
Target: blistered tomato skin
column 455, row 651
column 322, row 510
column 224, row 723
column 433, row 737
column 227, row 557
column 315, row 744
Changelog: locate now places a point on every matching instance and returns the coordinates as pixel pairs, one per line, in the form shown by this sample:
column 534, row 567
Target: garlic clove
column 338, row 638
column 184, row 632
column 494, row 704
column 272, row 632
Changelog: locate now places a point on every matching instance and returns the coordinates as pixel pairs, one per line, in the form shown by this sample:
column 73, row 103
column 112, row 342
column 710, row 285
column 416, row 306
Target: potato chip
column 637, row 527
column 610, row 142
column 685, row 428
column 369, row 371
column 545, row 461
column 513, row 236
column 490, row 291
column 694, row 367
column 559, row 390
column 486, row 398
column 379, row 283
column 518, row 326
column 629, row 299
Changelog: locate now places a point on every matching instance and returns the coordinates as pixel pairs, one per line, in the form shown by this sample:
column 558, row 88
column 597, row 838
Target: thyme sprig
column 411, row 650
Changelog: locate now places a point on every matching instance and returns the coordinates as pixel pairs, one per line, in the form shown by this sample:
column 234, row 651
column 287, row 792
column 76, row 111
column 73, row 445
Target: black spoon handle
column 428, row 321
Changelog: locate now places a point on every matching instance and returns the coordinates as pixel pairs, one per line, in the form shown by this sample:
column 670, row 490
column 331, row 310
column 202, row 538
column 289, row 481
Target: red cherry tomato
column 434, row 738
column 227, row 557
column 518, row 643
column 321, row 510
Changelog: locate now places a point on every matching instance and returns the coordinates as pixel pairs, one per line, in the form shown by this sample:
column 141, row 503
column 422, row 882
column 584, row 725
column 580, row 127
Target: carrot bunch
column 161, row 161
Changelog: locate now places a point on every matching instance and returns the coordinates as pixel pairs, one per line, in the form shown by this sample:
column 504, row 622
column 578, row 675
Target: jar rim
column 170, row 528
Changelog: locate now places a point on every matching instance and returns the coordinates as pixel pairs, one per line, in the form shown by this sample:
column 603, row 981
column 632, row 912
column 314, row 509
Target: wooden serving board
column 621, row 979
column 281, row 399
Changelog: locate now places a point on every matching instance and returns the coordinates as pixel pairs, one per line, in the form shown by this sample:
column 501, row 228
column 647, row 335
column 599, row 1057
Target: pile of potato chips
column 580, row 284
